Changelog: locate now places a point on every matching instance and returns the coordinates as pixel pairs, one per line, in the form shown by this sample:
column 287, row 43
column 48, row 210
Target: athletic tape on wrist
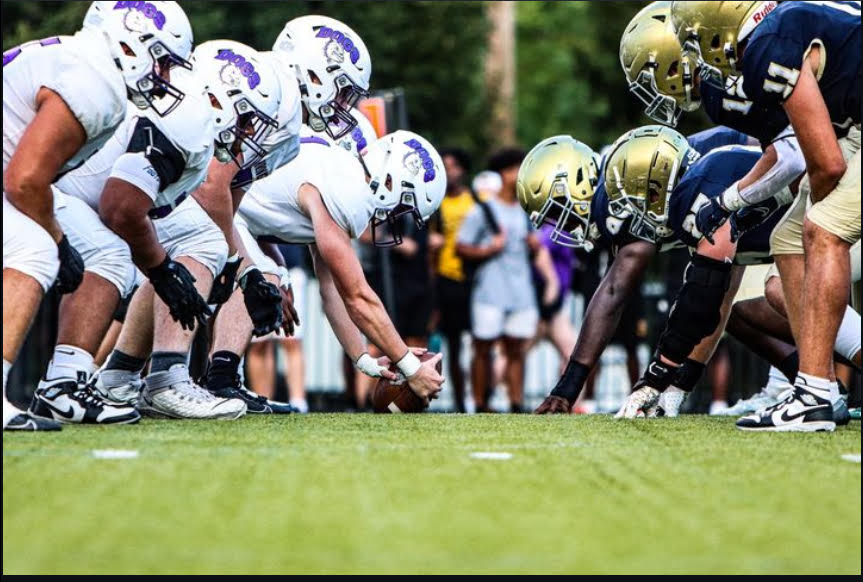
column 409, row 364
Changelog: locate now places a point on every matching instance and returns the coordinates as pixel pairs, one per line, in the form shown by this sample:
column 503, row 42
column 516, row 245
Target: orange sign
column 375, row 108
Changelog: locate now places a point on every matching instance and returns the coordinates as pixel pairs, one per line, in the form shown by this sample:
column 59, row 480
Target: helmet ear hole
column 127, row 50
column 314, row 78
column 388, row 183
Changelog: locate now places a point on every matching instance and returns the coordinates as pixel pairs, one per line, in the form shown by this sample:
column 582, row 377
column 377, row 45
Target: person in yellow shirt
column 451, row 274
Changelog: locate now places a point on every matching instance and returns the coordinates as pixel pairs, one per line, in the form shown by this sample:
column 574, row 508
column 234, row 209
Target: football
column 389, row 397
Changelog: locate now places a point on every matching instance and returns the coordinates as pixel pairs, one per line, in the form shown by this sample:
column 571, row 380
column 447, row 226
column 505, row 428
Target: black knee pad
column 696, row 310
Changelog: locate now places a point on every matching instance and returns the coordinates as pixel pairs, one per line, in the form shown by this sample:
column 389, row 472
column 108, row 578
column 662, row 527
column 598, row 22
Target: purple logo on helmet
column 341, row 44
column 425, row 160
column 359, row 139
column 240, row 67
column 147, row 9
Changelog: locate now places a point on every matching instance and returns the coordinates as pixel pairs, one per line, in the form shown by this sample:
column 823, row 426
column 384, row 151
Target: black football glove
column 175, row 285
column 710, row 218
column 223, row 285
column 263, row 302
column 71, row 271
column 751, row 217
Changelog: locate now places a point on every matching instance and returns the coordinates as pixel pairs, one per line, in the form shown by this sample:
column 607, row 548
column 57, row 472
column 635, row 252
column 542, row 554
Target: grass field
column 363, row 493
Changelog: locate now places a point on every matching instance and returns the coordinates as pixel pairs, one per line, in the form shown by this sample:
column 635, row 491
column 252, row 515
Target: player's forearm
column 601, row 319
column 123, row 208
column 781, row 164
column 368, row 313
column 346, row 331
column 216, row 198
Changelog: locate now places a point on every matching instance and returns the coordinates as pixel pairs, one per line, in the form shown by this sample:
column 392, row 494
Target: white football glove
column 669, row 403
column 639, row 403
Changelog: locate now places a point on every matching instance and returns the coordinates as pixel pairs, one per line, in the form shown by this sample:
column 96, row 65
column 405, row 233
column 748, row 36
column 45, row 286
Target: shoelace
column 194, row 393
column 86, row 396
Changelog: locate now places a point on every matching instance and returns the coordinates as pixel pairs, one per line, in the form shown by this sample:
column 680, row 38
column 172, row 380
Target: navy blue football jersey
column 706, row 179
column 730, row 107
column 774, row 54
column 716, row 137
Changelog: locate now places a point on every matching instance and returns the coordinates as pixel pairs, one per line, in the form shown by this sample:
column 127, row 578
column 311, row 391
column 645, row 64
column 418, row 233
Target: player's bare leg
column 825, row 295
column 516, row 351
column 108, row 343
column 791, row 270
column 296, row 373
column 86, row 315
column 261, row 368
column 480, row 373
column 22, row 295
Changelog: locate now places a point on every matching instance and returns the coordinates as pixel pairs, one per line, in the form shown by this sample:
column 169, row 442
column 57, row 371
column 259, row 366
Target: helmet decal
column 138, row 12
column 237, row 68
column 417, row 159
column 339, row 45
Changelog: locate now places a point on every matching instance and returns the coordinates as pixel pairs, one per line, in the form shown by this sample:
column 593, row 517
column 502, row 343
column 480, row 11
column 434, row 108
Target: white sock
column 821, row 387
column 67, row 362
column 848, row 339
column 300, row 404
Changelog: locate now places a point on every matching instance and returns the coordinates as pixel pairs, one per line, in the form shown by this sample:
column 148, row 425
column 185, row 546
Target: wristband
column 234, row 258
column 658, row 375
column 572, row 381
column 368, row 365
column 688, row 375
column 730, row 199
column 285, row 279
column 409, row 364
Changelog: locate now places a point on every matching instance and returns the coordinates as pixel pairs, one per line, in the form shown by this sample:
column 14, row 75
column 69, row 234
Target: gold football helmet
column 555, row 185
column 710, row 32
column 659, row 75
column 641, row 171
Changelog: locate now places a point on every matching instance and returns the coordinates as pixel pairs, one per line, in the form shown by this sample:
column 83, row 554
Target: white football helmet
column 333, row 68
column 245, row 94
column 146, row 40
column 356, row 142
column 407, row 178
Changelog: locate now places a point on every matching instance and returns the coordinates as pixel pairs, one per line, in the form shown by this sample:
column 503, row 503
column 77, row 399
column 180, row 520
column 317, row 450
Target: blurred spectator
column 554, row 323
column 487, row 184
column 503, row 304
column 413, row 294
column 452, row 285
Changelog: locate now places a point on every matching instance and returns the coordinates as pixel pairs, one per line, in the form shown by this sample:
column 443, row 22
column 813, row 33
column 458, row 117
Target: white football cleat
column 638, row 403
column 173, row 394
column 770, row 395
column 69, row 401
column 118, row 387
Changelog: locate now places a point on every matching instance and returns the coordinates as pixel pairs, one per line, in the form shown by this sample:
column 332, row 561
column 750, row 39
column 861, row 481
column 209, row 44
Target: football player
column 140, row 183
column 804, row 58
column 63, row 97
column 323, row 68
column 681, row 183
column 325, row 198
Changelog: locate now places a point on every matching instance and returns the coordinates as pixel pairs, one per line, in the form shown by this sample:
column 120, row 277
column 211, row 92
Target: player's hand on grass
column 554, row 405
column 71, row 271
column 639, row 403
column 175, row 285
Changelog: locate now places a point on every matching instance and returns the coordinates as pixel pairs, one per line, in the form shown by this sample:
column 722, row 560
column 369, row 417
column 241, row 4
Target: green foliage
column 569, row 75
column 434, row 50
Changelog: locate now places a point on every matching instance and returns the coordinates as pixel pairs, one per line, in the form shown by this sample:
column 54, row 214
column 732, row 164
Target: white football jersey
column 189, row 129
column 270, row 208
column 79, row 68
column 284, row 143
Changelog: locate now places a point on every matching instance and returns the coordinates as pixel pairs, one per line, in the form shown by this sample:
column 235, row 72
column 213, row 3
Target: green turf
column 364, row 493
